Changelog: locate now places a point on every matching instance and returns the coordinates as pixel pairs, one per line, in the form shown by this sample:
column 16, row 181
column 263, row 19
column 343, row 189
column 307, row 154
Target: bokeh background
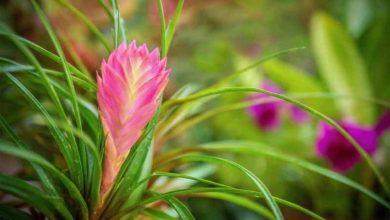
column 218, row 37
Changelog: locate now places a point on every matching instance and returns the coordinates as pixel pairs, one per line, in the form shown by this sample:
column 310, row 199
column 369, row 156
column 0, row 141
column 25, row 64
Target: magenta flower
column 267, row 115
column 383, row 124
column 129, row 89
column 298, row 115
column 335, row 148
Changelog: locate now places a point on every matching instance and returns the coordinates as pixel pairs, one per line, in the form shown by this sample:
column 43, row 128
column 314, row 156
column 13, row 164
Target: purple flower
column 383, row 124
column 267, row 116
column 298, row 115
column 335, row 148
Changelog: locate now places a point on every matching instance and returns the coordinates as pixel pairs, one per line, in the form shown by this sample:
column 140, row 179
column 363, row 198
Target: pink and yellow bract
column 129, row 88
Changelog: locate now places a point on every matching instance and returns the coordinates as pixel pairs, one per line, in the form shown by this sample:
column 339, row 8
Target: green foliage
column 342, row 67
column 159, row 173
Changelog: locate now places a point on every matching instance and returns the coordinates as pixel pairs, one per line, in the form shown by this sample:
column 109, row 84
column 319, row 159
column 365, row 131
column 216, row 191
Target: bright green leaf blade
column 259, row 184
column 27, row 193
column 238, row 200
column 342, row 67
column 191, row 191
column 304, row 107
column 22, row 42
column 119, row 28
column 170, row 30
column 10, row 213
column 45, row 178
column 86, row 21
column 295, row 80
column 35, row 158
column 73, row 98
column 181, row 209
column 251, row 148
column 157, row 214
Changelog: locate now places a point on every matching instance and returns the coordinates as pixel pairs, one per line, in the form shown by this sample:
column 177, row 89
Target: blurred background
column 215, row 38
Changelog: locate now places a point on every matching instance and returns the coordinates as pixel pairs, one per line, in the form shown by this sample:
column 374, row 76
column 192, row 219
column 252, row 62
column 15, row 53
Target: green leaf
column 259, row 184
column 10, row 213
column 86, row 21
column 45, row 178
column 21, row 43
column 260, row 61
column 119, row 29
column 157, row 214
column 342, row 67
column 238, row 200
column 359, row 14
column 10, row 66
column 295, row 80
column 82, row 176
column 135, row 168
column 195, row 190
column 163, row 49
column 334, row 124
column 181, row 209
column 170, row 29
column 257, row 149
column 220, row 188
column 71, row 156
column 35, row 158
column 28, row 193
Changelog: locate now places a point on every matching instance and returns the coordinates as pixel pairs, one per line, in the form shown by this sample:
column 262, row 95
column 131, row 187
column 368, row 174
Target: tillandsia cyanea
column 136, row 181
column 129, row 89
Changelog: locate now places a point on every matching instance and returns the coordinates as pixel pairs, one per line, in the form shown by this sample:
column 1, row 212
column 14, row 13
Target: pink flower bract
column 131, row 82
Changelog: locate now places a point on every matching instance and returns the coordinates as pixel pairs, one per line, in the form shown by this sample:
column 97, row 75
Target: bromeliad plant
column 108, row 162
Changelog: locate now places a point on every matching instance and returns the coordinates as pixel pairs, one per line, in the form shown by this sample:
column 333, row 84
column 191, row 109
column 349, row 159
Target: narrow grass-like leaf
column 157, row 214
column 86, row 21
column 73, row 164
column 295, row 80
column 28, row 193
column 46, row 180
column 241, row 201
column 260, row 185
column 12, row 66
column 70, row 155
column 164, row 136
column 119, row 29
column 170, row 29
column 238, row 200
column 257, row 149
column 21, row 43
column 304, row 107
column 74, row 55
column 35, row 158
column 181, row 209
column 194, row 190
column 10, row 213
column 163, row 50
column 219, row 188
column 106, row 9
column 75, row 107
column 234, row 75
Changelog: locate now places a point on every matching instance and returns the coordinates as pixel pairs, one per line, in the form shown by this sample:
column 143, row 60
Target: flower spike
column 129, row 88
